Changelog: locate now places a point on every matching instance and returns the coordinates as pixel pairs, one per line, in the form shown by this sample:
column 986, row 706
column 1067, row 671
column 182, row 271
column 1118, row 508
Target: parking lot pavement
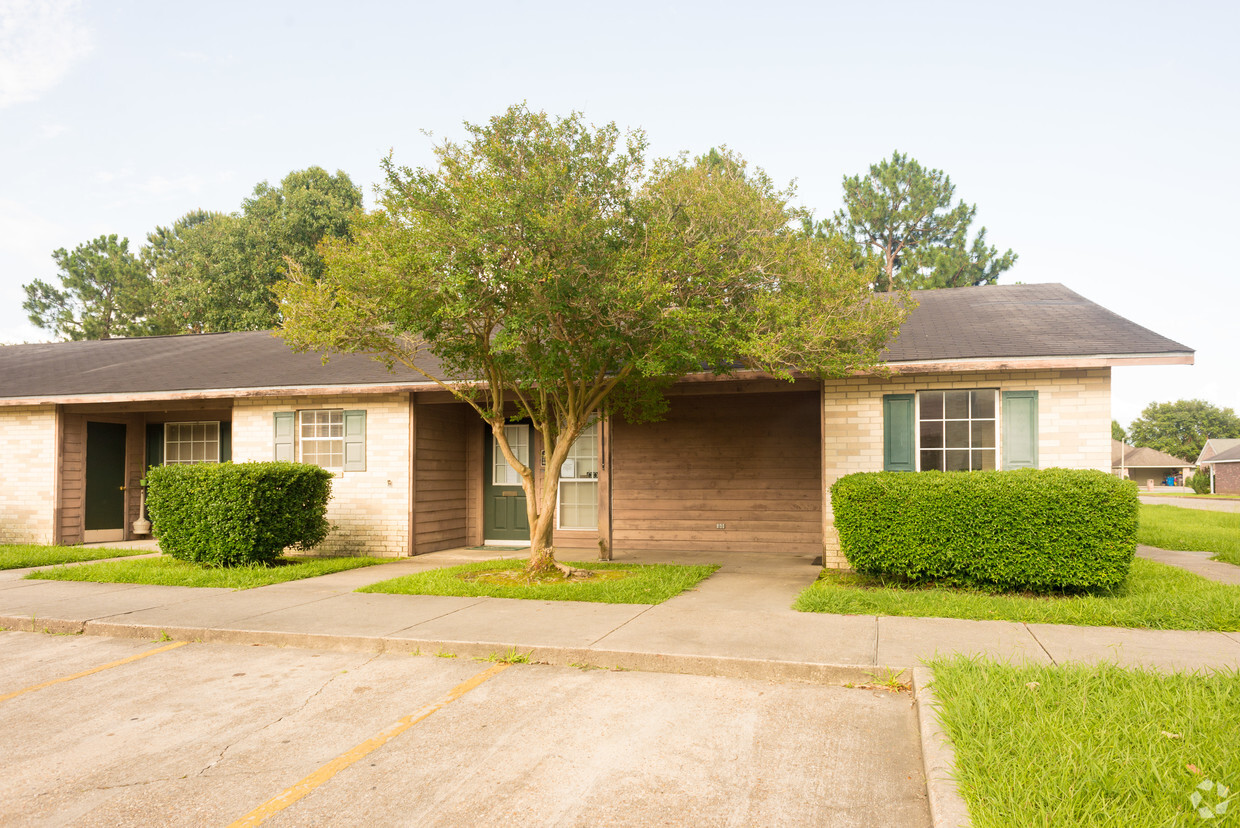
column 98, row 731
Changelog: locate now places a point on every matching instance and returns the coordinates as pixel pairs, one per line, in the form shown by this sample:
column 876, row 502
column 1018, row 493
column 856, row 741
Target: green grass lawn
column 645, row 583
column 166, row 571
column 1169, row 527
column 20, row 556
column 1155, row 596
column 1089, row 745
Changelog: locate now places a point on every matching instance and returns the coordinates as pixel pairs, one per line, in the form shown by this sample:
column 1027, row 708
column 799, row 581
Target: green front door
column 105, row 482
column 503, row 510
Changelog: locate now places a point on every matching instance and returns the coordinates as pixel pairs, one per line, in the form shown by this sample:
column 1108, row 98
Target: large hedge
column 1030, row 530
column 231, row 514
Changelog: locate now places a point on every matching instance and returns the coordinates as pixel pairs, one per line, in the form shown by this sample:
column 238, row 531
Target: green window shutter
column 225, row 442
column 1020, row 429
column 898, row 443
column 284, row 430
column 154, row 444
column 355, row 441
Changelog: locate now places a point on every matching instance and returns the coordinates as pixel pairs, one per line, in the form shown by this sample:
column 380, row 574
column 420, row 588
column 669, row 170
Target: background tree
column 1181, row 428
column 104, row 292
column 1117, row 431
column 215, row 272
column 902, row 215
column 541, row 260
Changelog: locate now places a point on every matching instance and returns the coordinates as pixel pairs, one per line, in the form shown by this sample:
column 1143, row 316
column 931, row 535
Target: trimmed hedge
column 234, row 514
column 1037, row 530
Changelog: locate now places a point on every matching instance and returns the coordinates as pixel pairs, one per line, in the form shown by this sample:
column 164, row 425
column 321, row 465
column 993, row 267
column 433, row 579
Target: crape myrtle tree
column 902, row 215
column 558, row 278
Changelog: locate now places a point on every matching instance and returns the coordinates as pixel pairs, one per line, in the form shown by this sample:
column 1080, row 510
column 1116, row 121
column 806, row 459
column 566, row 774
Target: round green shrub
column 237, row 514
column 1036, row 530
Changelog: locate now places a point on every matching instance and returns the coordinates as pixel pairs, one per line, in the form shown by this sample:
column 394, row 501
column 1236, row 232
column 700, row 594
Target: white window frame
column 502, row 472
column 211, row 425
column 588, row 442
column 996, row 419
column 336, row 419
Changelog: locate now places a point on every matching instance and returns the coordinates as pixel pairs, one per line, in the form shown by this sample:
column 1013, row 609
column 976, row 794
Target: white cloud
column 40, row 41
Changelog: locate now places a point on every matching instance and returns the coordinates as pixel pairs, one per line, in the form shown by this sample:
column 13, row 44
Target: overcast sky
column 1099, row 141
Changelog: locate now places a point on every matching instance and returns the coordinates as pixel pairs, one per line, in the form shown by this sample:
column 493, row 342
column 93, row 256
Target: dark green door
column 503, row 510
column 105, row 480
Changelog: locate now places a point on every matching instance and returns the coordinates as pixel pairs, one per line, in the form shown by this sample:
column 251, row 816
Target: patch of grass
column 1088, row 745
column 20, row 556
column 1155, row 596
column 167, row 571
column 510, row 657
column 1198, row 530
column 645, row 584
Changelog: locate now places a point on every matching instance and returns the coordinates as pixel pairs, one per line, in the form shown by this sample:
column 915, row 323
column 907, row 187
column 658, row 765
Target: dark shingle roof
column 1007, row 321
column 252, row 359
column 1018, row 321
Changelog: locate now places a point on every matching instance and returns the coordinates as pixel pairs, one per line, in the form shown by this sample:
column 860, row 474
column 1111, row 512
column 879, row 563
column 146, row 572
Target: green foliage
column 644, row 584
column 215, row 272
column 168, row 571
column 234, row 514
column 1088, row 745
column 1181, row 428
column 901, row 215
column 1199, row 482
column 104, row 292
column 20, row 556
column 1038, row 530
column 1154, row 596
column 1117, row 431
column 542, row 259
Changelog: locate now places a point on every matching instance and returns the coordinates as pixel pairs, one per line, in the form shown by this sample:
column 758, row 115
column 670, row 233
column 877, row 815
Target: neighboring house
column 1147, row 467
column 1221, row 458
column 1010, row 376
column 1214, row 447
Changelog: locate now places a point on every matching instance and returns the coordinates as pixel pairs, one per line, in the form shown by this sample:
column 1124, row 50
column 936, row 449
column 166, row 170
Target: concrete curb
column 947, row 808
column 686, row 664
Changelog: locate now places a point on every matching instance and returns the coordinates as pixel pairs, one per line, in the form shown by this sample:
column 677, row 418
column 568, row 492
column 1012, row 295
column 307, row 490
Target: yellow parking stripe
column 303, row 788
column 91, row 671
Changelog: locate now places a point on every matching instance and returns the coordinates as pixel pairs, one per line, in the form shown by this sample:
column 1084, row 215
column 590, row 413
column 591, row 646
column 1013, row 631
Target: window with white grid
column 191, row 442
column 321, row 438
column 579, row 482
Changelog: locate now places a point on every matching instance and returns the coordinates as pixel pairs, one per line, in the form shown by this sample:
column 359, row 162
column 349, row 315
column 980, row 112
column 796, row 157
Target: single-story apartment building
column 1148, row 467
column 993, row 377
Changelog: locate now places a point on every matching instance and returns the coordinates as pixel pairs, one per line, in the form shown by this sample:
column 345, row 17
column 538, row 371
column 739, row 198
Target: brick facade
column 370, row 509
column 27, row 485
column 1227, row 478
column 1074, row 423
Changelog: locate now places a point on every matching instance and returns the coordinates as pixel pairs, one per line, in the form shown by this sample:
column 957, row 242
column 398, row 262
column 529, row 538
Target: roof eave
column 1032, row 363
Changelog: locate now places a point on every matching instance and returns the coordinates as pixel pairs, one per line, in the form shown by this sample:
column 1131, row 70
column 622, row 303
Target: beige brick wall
column 369, row 509
column 1074, row 422
column 27, row 482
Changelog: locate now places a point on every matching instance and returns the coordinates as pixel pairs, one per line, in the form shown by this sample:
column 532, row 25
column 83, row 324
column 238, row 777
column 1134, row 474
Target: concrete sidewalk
column 736, row 623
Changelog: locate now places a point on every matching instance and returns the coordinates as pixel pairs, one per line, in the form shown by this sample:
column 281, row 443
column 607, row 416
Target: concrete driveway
column 169, row 733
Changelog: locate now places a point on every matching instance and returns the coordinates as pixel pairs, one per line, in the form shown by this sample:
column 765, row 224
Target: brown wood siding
column 748, row 461
column 440, row 493
column 72, row 479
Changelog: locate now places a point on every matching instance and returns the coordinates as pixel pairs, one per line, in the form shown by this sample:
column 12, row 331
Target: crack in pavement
column 1037, row 641
column 224, row 751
